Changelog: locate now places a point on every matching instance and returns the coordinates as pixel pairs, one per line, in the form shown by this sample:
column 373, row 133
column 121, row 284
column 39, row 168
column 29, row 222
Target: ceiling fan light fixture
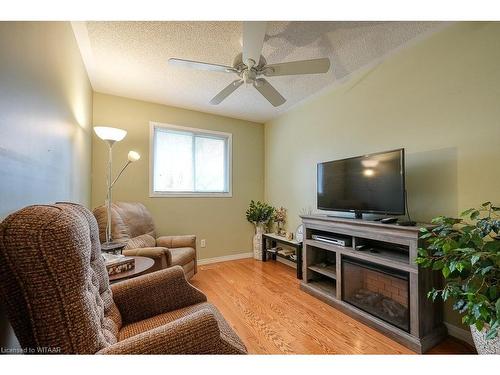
column 250, row 63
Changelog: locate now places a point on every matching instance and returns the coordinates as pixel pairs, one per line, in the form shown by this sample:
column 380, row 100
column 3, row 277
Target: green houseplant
column 467, row 252
column 259, row 214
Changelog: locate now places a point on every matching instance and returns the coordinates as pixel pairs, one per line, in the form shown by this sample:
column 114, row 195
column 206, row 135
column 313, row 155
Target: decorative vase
column 257, row 241
column 483, row 345
column 279, row 231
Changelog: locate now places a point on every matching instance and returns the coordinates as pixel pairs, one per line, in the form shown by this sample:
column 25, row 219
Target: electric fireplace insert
column 381, row 291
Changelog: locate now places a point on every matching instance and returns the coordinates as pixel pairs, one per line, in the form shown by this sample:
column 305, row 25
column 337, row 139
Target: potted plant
column 259, row 214
column 467, row 252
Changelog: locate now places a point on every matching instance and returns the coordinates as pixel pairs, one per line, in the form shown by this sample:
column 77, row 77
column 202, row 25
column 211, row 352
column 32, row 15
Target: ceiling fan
column 250, row 66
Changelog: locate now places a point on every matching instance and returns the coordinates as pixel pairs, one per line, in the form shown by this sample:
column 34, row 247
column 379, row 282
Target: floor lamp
column 110, row 136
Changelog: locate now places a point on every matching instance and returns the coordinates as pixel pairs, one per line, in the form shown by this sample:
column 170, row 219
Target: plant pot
column 257, row 241
column 484, row 346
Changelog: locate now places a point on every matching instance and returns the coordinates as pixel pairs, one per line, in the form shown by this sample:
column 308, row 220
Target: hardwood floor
column 263, row 303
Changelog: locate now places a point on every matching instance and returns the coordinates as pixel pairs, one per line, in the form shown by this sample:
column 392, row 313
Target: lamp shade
column 107, row 133
column 133, row 156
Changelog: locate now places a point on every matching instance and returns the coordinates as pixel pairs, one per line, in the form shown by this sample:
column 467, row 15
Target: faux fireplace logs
column 378, row 290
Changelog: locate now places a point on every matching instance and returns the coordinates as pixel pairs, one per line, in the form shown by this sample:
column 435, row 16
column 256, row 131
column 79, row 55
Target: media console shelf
column 374, row 280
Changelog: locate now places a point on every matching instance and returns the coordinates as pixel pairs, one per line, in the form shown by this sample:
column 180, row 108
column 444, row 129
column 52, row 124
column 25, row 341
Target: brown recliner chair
column 132, row 223
column 56, row 291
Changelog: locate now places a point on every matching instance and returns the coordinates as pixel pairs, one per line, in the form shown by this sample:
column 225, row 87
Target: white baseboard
column 459, row 333
column 225, row 258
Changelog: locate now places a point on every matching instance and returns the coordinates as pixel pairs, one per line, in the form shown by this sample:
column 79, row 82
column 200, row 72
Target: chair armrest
column 176, row 241
column 141, row 241
column 196, row 333
column 154, row 293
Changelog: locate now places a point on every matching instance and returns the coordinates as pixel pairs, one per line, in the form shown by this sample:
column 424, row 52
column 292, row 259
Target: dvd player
column 339, row 241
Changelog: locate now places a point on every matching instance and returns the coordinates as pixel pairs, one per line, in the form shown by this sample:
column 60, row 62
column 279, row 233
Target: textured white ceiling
column 130, row 59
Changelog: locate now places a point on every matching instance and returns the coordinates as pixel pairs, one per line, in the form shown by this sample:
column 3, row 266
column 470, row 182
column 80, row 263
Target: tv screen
column 371, row 183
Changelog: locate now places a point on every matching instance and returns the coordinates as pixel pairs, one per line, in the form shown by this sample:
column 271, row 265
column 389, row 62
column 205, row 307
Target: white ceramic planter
column 484, row 346
column 257, row 241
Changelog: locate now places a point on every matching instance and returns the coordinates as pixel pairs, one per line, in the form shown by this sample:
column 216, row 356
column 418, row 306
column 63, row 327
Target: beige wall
column 221, row 221
column 45, row 121
column 439, row 99
column 45, row 116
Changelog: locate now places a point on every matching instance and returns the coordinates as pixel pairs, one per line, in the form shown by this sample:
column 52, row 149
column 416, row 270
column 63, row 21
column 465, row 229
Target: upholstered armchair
column 133, row 224
column 56, row 291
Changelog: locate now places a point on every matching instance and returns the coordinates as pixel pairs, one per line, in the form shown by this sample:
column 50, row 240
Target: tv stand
column 375, row 278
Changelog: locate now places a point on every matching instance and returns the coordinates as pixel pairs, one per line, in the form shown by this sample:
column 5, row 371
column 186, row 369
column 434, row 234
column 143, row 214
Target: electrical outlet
column 203, row 243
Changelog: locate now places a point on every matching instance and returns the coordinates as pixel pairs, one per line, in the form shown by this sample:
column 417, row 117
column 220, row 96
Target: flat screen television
column 373, row 183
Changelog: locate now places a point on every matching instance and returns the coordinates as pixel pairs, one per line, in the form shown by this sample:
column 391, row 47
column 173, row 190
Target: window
column 189, row 162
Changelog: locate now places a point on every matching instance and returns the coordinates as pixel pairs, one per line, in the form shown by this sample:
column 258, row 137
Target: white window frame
column 203, row 132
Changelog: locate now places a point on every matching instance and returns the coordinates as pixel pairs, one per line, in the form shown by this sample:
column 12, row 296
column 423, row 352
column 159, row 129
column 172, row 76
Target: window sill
column 190, row 195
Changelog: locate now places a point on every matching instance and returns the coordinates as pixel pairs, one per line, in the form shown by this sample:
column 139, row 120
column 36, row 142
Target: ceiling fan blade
column 269, row 92
column 228, row 90
column 298, row 67
column 201, row 65
column 253, row 40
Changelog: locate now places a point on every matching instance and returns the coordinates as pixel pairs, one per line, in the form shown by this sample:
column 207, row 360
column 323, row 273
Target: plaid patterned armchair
column 56, row 291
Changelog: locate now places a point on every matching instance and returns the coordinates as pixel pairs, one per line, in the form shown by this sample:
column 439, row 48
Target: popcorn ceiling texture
column 130, row 59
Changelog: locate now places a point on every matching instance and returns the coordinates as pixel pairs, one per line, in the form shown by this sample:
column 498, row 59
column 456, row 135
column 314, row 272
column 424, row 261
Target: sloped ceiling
column 130, row 59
